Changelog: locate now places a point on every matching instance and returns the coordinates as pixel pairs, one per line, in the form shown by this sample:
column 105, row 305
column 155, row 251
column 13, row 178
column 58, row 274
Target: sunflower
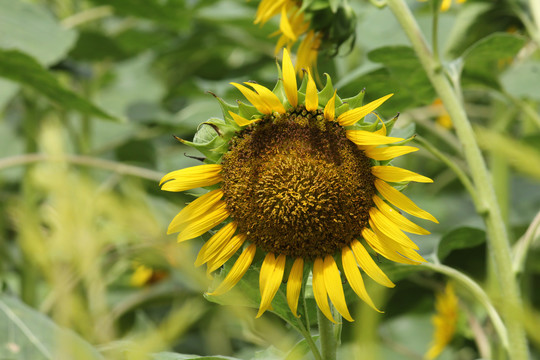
column 299, row 178
column 445, row 321
column 292, row 26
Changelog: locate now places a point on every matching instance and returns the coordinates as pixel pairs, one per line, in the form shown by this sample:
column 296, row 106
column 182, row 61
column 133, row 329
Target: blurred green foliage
column 91, row 92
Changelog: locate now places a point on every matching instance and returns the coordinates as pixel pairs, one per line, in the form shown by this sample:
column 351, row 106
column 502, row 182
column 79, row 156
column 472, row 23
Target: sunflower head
column 303, row 179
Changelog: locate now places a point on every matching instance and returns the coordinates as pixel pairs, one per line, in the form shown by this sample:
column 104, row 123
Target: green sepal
column 327, row 92
column 247, row 111
column 303, row 85
column 350, row 103
column 390, row 124
column 225, row 108
column 279, row 91
column 212, row 138
column 356, row 101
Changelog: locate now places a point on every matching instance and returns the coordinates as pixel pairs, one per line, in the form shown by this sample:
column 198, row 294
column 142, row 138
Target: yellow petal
column 195, row 209
column 401, row 221
column 225, row 254
column 387, row 227
column 445, row 5
column 389, row 152
column 312, row 97
column 294, row 285
column 351, row 117
column 330, row 108
column 254, row 98
column 398, row 248
column 285, row 25
column 387, row 250
column 368, row 265
column 395, row 174
column 267, row 9
column 319, row 289
column 191, row 177
column 241, row 121
column 382, row 130
column 289, row 79
column 354, row 277
column 401, row 201
column 213, row 246
column 268, row 98
column 204, row 222
column 367, row 138
column 266, row 270
column 332, row 280
column 237, row 271
column 272, row 284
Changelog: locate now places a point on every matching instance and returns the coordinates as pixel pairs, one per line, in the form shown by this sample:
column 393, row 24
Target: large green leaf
column 32, row 29
column 485, row 60
column 25, row 70
column 521, row 79
column 477, row 20
column 405, row 69
column 461, row 238
column 27, row 334
column 173, row 13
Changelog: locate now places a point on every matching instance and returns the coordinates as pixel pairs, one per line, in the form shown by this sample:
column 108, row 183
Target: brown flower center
column 297, row 186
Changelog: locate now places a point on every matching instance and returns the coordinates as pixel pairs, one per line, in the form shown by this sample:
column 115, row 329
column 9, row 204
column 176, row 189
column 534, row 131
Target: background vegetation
column 91, row 92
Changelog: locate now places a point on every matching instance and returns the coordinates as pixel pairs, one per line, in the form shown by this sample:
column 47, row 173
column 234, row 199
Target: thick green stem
column 488, row 206
column 327, row 337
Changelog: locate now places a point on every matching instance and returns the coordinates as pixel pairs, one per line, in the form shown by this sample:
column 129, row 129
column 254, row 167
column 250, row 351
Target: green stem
column 487, row 206
column 117, row 167
column 306, row 332
column 462, row 176
column 521, row 248
column 476, row 291
column 326, row 336
column 435, row 6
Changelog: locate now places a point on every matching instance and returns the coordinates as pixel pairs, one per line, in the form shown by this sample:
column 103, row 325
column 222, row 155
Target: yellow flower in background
column 307, row 184
column 444, row 321
column 445, row 4
column 144, row 275
column 292, row 27
column 443, row 118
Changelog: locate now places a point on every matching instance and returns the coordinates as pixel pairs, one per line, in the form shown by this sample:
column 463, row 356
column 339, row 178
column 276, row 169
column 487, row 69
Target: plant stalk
column 327, row 337
column 488, row 206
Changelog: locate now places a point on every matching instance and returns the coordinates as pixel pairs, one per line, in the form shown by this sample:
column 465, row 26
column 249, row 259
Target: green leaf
column 521, row 79
column 30, row 28
column 402, row 74
column 172, row 13
column 27, row 334
column 176, row 356
column 25, row 70
column 300, row 349
column 476, row 21
column 461, row 238
column 484, row 60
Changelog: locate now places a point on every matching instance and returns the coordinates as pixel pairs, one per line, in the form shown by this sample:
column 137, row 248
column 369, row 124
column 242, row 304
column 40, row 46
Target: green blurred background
column 91, row 94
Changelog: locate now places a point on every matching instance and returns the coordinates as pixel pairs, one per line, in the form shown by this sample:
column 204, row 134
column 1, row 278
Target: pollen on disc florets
column 296, row 185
